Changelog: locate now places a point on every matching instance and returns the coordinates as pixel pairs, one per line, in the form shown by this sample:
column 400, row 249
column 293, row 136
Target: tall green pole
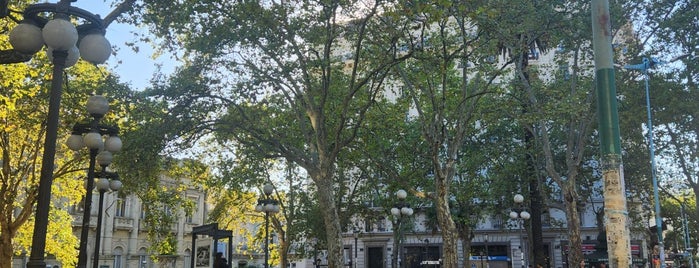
column 615, row 212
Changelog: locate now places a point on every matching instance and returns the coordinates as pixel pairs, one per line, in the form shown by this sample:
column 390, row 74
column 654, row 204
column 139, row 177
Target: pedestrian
column 220, row 261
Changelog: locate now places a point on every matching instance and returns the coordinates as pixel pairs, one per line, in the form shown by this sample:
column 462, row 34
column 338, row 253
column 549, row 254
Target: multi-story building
column 499, row 242
column 124, row 238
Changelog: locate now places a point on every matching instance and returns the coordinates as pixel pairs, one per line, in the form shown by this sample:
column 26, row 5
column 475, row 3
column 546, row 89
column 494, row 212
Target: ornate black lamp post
column 399, row 210
column 520, row 215
column 268, row 205
column 91, row 135
column 61, row 37
column 107, row 181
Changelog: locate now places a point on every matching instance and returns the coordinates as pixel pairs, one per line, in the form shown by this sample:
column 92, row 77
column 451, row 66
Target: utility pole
column 616, row 214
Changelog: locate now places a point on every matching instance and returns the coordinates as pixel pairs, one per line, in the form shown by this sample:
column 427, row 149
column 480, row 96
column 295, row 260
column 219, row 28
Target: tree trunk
column 536, row 251
column 465, row 237
column 283, row 249
column 695, row 188
column 6, row 247
column 446, row 223
column 536, row 203
column 326, row 198
column 537, row 240
column 575, row 256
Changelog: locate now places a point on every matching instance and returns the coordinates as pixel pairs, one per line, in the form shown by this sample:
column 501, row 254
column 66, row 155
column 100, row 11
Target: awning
column 633, row 260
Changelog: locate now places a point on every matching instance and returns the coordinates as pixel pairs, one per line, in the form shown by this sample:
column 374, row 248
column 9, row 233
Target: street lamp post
column 487, row 256
column 425, row 255
column 61, row 37
column 268, row 205
column 520, row 215
column 399, row 210
column 107, row 181
column 355, row 233
column 91, row 135
column 687, row 242
column 643, row 67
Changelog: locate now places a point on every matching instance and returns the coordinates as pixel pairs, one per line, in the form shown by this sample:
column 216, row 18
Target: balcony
column 188, row 227
column 122, row 223
column 78, row 221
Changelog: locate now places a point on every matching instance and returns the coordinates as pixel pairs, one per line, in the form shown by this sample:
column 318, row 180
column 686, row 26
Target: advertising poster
column 203, row 253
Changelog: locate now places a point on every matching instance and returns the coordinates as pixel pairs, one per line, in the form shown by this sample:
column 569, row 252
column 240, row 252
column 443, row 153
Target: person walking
column 220, row 261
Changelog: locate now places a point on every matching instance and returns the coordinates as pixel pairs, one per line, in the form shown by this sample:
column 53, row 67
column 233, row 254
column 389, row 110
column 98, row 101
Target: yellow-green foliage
column 24, row 90
column 234, row 211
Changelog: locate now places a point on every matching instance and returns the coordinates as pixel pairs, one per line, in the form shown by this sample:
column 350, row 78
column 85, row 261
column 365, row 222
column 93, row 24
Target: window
column 142, row 261
column 190, row 214
column 144, row 211
column 76, row 208
column 375, row 224
column 564, row 71
column 190, row 218
column 120, row 208
column 533, row 53
column 347, row 256
column 168, row 210
column 381, row 225
column 545, row 220
column 142, row 258
column 187, row 259
column 498, row 222
column 117, row 257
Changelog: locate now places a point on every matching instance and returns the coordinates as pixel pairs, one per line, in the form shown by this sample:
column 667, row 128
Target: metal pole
column 356, row 251
column 36, row 260
column 87, row 207
column 192, row 254
column 521, row 242
column 656, row 195
column 396, row 250
column 487, row 256
column 98, row 232
column 615, row 211
column 424, row 253
column 230, row 252
column 266, row 238
column 396, row 263
column 687, row 241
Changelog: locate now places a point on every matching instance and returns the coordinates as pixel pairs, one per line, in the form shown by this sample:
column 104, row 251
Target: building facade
column 124, row 238
column 499, row 242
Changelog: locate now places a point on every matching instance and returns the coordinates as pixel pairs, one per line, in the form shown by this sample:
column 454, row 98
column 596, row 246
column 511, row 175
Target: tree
column 232, row 208
column 24, row 97
column 665, row 35
column 288, row 92
column 556, row 106
column 527, row 38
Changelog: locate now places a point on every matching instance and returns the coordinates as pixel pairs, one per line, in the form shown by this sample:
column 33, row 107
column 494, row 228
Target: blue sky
column 136, row 68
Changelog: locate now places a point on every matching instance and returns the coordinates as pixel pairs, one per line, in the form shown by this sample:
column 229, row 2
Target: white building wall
column 127, row 233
